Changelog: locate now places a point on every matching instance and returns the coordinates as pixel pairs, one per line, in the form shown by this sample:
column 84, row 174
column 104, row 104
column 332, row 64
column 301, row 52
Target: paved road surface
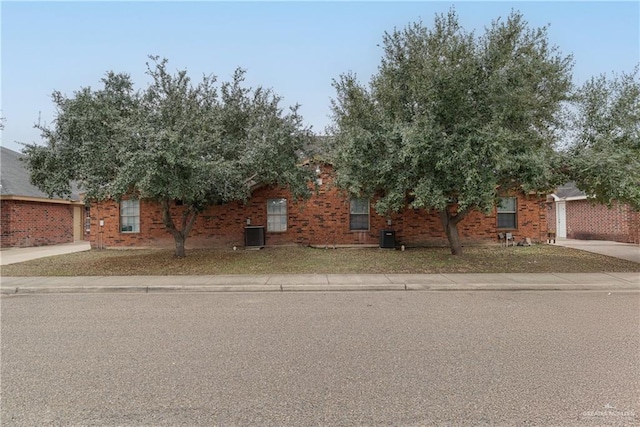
column 335, row 359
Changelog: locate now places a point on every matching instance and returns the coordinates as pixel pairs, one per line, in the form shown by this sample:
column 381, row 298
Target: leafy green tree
column 174, row 141
column 604, row 150
column 451, row 120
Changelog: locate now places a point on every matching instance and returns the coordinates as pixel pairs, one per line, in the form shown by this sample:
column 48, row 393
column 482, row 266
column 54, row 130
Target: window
column 87, row 219
column 130, row 216
column 277, row 215
column 359, row 214
column 507, row 213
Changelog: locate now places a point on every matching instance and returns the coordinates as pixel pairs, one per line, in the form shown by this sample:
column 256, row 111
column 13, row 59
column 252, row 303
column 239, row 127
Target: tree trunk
column 450, row 225
column 180, row 236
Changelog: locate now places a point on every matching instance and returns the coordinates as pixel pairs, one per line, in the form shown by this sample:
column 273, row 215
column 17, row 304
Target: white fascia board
column 568, row 199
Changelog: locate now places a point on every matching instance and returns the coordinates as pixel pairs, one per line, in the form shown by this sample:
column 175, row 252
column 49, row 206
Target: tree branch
column 166, row 218
column 459, row 216
column 248, row 180
column 188, row 225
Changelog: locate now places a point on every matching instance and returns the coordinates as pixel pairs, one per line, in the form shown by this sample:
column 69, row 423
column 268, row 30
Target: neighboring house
column 327, row 219
column 572, row 215
column 28, row 216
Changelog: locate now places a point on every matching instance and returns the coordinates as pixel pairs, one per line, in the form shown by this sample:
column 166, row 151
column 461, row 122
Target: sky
column 295, row 48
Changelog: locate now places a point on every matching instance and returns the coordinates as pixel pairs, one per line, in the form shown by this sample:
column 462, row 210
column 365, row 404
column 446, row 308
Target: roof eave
column 40, row 200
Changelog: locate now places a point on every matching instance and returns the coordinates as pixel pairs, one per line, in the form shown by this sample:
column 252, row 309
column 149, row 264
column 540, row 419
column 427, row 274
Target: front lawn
column 493, row 259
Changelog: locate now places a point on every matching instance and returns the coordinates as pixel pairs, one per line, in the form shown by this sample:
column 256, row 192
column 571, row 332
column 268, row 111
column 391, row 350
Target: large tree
column 198, row 144
column 604, row 145
column 452, row 120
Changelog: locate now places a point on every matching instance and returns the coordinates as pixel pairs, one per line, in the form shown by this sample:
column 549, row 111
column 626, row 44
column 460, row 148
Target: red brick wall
column 551, row 216
column 322, row 220
column 5, row 224
column 35, row 223
column 635, row 227
column 589, row 221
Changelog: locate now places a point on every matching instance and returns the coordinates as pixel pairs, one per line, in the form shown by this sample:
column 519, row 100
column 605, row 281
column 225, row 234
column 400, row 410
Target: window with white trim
column 507, row 213
column 276, row 215
column 87, row 219
column 359, row 214
column 130, row 216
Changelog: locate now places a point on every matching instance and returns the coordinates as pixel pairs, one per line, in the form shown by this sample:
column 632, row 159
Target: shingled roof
column 569, row 191
column 15, row 178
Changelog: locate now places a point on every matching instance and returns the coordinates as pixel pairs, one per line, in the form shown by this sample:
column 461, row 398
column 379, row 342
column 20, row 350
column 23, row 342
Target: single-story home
column 271, row 217
column 28, row 216
column 572, row 215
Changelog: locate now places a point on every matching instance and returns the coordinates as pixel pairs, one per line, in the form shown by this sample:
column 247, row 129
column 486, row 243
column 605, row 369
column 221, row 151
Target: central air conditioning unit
column 387, row 239
column 254, row 236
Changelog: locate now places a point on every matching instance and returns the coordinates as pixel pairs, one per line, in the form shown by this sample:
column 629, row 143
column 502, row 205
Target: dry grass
column 535, row 259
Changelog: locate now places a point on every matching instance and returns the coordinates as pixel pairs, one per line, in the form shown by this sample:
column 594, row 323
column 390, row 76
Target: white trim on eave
column 568, row 199
column 41, row 200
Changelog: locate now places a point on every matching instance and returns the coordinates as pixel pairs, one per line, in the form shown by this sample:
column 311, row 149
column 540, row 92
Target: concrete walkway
column 323, row 282
column 627, row 251
column 15, row 255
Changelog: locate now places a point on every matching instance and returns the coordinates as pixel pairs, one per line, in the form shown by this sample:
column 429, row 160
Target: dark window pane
column 506, row 220
column 359, row 222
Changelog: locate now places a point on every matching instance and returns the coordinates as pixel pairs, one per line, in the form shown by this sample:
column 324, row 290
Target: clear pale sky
column 296, row 48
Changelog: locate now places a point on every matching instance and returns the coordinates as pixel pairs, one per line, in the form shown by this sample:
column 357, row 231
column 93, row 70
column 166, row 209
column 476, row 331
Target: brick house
column 27, row 216
column 328, row 218
column 572, row 215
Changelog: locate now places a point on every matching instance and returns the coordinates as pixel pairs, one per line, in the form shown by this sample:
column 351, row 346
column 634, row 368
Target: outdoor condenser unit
column 254, row 236
column 387, row 239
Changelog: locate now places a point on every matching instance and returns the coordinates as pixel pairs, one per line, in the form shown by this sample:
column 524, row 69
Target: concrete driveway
column 627, row 251
column 15, row 255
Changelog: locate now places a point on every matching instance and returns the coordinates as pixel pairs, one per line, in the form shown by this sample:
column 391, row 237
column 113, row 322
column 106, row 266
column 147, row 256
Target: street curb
column 524, row 287
column 30, row 290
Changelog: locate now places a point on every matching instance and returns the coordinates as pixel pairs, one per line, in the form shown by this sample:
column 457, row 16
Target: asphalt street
column 452, row 358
